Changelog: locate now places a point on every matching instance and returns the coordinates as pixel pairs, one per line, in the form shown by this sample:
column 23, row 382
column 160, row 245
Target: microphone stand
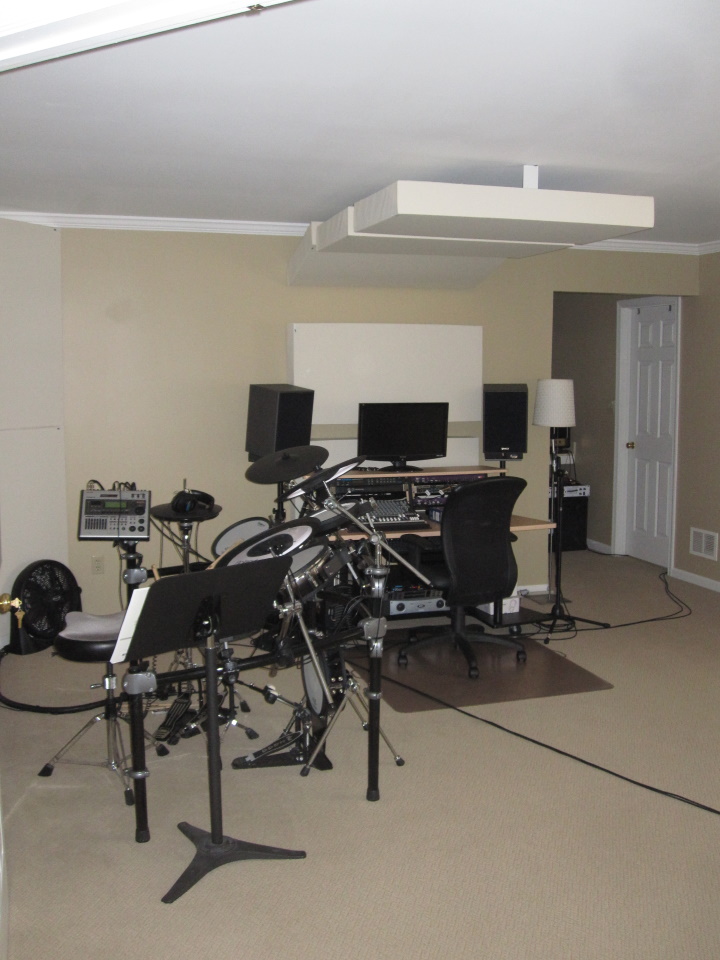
column 560, row 619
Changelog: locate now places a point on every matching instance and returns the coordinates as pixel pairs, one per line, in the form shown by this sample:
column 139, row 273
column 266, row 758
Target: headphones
column 188, row 500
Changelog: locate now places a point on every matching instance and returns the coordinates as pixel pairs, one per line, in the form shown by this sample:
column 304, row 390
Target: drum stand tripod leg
column 325, row 734
column 353, row 685
column 350, row 694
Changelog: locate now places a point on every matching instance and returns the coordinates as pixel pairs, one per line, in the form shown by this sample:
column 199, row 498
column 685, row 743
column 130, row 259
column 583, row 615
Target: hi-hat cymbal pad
column 316, row 480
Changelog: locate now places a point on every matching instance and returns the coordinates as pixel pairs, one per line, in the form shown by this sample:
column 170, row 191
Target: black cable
column 683, row 610
column 34, row 708
column 557, row 750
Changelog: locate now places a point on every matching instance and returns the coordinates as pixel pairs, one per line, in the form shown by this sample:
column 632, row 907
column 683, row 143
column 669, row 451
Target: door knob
column 630, row 445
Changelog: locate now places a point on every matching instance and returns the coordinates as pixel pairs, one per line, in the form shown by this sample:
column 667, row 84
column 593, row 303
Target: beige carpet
column 481, row 846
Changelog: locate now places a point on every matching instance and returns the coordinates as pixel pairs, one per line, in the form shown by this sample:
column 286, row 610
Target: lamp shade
column 554, row 404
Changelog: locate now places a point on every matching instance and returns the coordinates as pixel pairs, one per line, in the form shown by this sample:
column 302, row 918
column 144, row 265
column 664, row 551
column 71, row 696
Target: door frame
column 622, row 421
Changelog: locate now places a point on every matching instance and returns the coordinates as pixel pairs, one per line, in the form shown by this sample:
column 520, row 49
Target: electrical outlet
column 97, row 565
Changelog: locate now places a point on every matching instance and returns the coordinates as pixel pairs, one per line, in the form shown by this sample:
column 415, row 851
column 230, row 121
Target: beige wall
column 584, row 343
column 164, row 332
column 584, row 350
column 32, row 461
column 698, row 504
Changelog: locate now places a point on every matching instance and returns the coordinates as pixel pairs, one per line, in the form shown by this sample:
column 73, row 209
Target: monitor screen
column 399, row 432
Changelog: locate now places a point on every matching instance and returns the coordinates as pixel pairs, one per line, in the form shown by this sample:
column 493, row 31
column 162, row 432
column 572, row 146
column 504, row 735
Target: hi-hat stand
column 208, row 606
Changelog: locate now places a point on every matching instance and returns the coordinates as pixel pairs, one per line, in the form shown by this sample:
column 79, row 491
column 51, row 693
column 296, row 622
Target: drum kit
column 331, row 598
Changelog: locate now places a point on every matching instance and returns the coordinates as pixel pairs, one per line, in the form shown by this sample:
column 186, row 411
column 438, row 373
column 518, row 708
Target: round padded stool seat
column 89, row 638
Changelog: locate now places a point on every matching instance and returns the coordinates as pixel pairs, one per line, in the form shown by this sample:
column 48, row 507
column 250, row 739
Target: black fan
column 48, row 592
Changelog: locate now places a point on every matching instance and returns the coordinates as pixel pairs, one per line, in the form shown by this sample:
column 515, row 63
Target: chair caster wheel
column 521, row 656
column 473, row 673
column 402, row 660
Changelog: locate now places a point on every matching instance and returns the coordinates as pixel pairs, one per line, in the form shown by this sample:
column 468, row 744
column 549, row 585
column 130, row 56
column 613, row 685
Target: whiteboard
column 351, row 363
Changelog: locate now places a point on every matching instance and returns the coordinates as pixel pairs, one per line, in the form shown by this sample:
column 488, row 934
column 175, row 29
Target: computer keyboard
column 396, row 515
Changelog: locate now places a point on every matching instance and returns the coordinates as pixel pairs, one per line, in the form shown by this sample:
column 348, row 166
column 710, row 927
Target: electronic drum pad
column 278, row 542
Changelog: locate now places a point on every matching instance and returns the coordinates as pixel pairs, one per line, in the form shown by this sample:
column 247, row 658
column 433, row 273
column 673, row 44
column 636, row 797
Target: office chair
column 478, row 564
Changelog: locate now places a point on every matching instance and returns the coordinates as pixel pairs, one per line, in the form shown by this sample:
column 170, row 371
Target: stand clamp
column 136, row 684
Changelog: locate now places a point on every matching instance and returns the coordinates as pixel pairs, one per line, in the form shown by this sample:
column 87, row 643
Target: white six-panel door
column 646, row 427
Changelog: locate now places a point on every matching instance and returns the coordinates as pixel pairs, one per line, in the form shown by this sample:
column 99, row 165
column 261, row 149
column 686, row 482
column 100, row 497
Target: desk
column 518, row 524
column 368, row 481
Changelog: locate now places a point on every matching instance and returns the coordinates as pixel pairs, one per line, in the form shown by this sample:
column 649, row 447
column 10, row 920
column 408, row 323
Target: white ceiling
column 290, row 115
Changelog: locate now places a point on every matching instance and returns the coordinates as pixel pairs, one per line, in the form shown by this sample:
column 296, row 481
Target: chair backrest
column 477, row 543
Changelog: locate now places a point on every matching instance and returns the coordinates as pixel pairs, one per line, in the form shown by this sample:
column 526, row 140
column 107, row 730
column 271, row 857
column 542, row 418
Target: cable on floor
column 548, row 746
column 34, row 708
column 683, row 610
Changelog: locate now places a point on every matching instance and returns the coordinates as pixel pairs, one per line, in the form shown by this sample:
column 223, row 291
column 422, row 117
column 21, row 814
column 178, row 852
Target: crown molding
column 79, row 221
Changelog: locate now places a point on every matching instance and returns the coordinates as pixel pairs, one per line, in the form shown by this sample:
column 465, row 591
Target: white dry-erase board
column 351, row 363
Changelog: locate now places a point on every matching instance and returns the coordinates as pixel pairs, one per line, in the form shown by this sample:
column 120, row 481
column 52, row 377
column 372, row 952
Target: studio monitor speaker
column 279, row 416
column 505, row 419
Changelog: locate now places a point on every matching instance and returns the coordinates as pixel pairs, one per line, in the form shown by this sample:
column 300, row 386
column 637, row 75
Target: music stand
column 207, row 606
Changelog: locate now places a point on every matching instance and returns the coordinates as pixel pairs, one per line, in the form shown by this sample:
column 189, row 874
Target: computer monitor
column 399, row 432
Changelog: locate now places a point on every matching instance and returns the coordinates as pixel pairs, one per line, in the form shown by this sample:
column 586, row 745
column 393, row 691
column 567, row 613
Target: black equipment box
column 575, row 515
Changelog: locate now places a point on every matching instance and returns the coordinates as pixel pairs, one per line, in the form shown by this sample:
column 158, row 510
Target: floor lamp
column 555, row 408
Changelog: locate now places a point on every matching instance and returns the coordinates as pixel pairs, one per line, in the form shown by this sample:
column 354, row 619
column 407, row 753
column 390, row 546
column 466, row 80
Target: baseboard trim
column 688, row 577
column 599, row 547
column 528, row 589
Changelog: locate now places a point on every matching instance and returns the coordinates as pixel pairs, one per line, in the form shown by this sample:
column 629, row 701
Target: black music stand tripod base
column 212, row 604
column 210, row 855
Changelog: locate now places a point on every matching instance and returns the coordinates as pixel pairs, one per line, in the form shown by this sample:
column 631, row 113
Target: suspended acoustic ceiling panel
column 339, row 235
column 311, row 267
column 511, row 214
column 424, row 234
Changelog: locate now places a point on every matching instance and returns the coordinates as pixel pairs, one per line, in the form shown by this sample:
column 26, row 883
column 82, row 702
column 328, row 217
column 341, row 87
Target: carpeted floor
column 487, row 843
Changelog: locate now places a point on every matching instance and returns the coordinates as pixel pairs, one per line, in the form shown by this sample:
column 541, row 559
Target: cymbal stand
column 377, row 576
column 279, row 511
